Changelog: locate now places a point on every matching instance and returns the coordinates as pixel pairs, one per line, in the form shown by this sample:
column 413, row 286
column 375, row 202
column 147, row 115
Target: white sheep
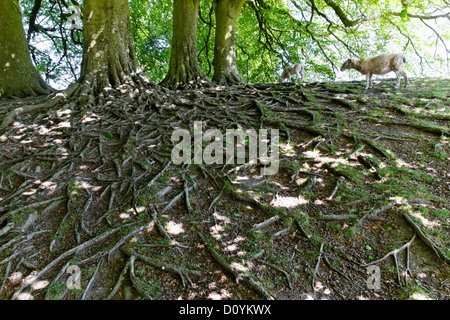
column 378, row 65
column 295, row 69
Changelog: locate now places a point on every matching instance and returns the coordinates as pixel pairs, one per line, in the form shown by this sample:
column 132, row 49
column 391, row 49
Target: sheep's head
column 347, row 65
column 284, row 76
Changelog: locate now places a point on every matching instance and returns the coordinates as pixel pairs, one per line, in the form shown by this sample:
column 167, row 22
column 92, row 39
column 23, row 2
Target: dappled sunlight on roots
column 288, row 150
column 39, row 284
column 420, row 296
column 401, row 164
column 133, row 213
column 233, row 245
column 224, row 294
column 16, row 277
column 239, row 267
column 217, row 231
column 30, row 192
column 320, row 287
column 127, row 215
column 325, row 159
column 90, row 118
column 288, row 202
column 24, row 296
column 221, row 218
column 174, row 228
column 426, row 222
column 231, row 248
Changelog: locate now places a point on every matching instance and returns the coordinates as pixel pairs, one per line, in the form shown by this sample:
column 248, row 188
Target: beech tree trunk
column 184, row 69
column 109, row 59
column 225, row 67
column 18, row 75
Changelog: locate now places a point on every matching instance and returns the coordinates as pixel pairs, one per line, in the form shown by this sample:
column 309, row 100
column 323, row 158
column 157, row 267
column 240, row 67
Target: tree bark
column 109, row 59
column 184, row 69
column 225, row 67
column 18, row 76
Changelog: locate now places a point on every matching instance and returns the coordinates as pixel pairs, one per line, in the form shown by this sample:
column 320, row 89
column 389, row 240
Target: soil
column 363, row 184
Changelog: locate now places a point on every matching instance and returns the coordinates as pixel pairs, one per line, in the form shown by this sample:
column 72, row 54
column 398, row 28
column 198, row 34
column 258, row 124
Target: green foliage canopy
column 270, row 35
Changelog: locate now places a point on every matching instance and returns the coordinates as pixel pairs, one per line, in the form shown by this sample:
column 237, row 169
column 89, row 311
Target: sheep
column 378, row 65
column 295, row 69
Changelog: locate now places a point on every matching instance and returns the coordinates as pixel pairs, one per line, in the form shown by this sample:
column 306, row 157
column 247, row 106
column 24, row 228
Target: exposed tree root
column 87, row 290
column 120, row 280
column 63, row 256
column 181, row 272
column 329, row 265
column 286, row 275
column 266, row 222
column 316, row 270
column 52, row 101
column 85, row 179
column 440, row 131
column 395, row 253
column 406, row 247
column 338, row 183
column 337, row 172
column 424, row 238
column 376, row 212
column 238, row 275
column 136, row 283
column 336, row 217
column 161, row 229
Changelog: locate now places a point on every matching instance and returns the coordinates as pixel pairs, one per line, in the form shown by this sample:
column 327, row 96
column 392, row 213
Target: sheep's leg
column 398, row 80
column 397, row 73
column 368, row 78
column 403, row 73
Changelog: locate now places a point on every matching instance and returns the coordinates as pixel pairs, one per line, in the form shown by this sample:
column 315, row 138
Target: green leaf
column 404, row 13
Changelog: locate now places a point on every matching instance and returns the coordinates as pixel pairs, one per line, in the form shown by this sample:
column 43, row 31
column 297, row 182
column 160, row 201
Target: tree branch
column 32, row 24
column 351, row 23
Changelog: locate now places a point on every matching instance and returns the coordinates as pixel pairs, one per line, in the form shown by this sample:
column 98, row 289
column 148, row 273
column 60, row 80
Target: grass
column 349, row 193
column 403, row 181
column 413, row 292
column 55, row 290
column 255, row 242
column 302, row 219
column 148, row 197
column 352, row 232
column 334, row 227
column 315, row 241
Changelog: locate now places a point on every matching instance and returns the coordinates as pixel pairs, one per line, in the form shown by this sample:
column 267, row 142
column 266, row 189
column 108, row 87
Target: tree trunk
column 109, row 59
column 184, row 69
column 18, row 76
column 225, row 68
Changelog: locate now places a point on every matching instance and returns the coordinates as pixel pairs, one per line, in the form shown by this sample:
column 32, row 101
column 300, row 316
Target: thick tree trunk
column 184, row 69
column 225, row 68
column 109, row 58
column 18, row 76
